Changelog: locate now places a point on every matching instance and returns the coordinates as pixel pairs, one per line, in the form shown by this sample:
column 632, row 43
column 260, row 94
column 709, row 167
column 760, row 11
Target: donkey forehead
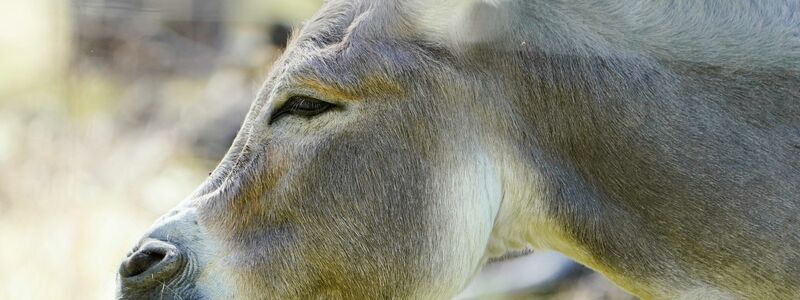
column 442, row 23
column 356, row 47
column 351, row 49
column 432, row 17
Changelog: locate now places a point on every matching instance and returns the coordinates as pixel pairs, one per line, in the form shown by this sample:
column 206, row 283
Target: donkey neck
column 646, row 172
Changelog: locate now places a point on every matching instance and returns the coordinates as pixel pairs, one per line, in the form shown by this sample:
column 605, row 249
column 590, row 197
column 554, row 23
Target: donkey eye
column 301, row 106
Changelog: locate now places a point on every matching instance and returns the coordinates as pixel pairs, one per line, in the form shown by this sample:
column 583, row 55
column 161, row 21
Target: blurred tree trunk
column 140, row 36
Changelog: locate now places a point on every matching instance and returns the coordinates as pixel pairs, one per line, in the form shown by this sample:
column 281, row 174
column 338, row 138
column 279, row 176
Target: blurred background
column 112, row 111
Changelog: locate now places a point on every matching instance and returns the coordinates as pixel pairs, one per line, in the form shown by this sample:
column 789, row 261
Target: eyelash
column 301, row 106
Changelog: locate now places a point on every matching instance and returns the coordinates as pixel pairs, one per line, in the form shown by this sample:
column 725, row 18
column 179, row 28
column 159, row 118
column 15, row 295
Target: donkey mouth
column 510, row 255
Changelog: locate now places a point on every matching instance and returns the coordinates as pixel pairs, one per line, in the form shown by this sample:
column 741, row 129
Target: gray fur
column 661, row 137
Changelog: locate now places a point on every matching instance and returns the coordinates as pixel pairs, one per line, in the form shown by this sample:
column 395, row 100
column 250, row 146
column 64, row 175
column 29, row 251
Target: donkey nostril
column 156, row 258
column 141, row 261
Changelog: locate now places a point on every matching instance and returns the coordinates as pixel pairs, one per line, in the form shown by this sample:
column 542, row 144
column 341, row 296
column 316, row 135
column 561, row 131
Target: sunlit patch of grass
column 79, row 185
column 75, row 198
column 90, row 95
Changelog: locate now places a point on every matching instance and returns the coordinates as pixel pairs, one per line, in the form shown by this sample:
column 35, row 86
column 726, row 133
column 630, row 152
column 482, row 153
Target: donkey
column 398, row 145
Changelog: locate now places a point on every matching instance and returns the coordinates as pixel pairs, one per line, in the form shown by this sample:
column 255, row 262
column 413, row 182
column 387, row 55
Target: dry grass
column 76, row 191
